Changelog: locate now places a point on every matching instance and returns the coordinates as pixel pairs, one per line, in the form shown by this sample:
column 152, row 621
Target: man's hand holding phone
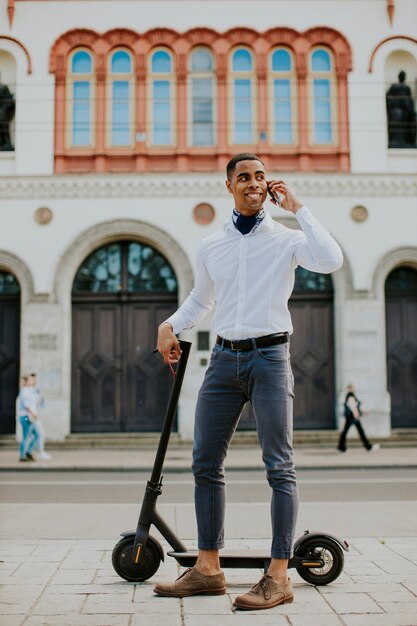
column 289, row 201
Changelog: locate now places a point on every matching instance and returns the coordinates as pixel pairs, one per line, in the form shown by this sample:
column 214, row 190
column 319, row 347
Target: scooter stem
column 154, row 485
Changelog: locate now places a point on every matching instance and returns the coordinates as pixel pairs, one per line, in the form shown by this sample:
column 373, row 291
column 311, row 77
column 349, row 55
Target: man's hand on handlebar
column 168, row 345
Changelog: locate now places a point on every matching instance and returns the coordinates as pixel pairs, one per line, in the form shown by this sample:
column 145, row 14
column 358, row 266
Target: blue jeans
column 262, row 376
column 30, row 436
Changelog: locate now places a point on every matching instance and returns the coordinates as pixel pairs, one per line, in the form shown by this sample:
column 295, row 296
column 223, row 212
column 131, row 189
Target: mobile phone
column 274, row 196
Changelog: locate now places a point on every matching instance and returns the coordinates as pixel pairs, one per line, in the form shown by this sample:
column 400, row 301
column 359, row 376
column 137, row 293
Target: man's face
column 248, row 186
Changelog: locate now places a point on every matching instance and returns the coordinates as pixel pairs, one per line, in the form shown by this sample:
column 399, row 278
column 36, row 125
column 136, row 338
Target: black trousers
column 352, row 421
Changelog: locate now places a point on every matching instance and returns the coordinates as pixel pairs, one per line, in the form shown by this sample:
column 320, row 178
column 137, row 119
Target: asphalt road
column 370, row 485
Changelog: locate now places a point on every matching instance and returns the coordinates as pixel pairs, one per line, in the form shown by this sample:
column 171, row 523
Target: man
column 248, row 270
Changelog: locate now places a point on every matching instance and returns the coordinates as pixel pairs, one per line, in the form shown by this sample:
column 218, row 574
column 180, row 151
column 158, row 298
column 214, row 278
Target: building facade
column 125, row 114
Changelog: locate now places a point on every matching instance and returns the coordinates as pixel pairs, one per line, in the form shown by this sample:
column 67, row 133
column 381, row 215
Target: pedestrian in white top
column 247, row 269
column 28, row 415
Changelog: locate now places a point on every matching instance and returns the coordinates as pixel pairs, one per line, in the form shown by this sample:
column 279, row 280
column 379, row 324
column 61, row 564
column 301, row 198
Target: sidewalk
column 72, row 583
column 55, row 558
column 179, row 459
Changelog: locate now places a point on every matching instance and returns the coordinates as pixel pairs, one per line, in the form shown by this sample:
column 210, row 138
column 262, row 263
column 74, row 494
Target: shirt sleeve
column 316, row 251
column 353, row 405
column 199, row 302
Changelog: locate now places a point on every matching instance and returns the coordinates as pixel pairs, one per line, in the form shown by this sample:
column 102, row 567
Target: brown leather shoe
column 266, row 594
column 193, row 583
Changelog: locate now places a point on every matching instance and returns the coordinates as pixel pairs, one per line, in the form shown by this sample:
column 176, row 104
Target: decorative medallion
column 43, row 215
column 359, row 213
column 204, row 213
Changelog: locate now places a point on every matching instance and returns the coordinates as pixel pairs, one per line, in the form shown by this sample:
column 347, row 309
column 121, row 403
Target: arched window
column 121, row 88
column 323, row 97
column 125, row 267
column 201, row 89
column 81, row 99
column 242, row 81
column 162, row 98
column 282, row 97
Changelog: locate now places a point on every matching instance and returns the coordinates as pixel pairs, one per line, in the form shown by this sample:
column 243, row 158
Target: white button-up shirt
column 251, row 277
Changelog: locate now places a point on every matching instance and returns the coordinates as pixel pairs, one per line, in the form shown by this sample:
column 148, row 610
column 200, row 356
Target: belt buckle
column 232, row 345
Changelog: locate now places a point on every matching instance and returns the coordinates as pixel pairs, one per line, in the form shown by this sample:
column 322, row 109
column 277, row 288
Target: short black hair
column 243, row 156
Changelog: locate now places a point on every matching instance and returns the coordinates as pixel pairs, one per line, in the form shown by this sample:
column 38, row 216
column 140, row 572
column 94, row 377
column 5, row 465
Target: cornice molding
column 175, row 185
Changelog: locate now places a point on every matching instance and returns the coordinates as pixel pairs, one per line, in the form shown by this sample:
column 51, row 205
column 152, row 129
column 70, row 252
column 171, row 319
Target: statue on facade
column 7, row 109
column 401, row 115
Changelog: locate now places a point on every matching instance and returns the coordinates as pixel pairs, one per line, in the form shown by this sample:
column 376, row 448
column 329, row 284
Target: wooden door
column 97, row 367
column 121, row 294
column 401, row 325
column 9, row 351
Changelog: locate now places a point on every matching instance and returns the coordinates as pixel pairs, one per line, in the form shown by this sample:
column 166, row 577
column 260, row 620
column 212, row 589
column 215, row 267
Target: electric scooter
column 318, row 557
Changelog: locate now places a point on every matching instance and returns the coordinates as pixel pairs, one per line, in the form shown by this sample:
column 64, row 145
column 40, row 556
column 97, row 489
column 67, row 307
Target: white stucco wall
column 383, row 181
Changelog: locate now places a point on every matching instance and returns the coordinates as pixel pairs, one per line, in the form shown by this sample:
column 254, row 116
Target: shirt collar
column 267, row 224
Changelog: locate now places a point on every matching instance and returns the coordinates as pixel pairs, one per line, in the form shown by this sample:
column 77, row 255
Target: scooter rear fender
column 315, row 534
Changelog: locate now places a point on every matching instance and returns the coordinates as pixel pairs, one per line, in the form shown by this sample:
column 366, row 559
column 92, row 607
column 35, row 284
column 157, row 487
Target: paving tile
column 352, row 603
column 77, row 620
column 118, row 589
column 103, row 604
column 238, row 619
column 162, row 606
column 158, row 619
column 411, row 585
column 393, row 595
column 314, row 620
column 380, row 620
column 11, row 620
column 14, row 609
column 396, row 565
column 58, row 605
column 73, row 577
column 12, row 594
column 209, row 605
column 399, row 607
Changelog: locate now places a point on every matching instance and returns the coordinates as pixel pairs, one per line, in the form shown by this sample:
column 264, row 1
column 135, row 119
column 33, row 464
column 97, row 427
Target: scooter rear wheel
column 150, row 560
column 329, row 552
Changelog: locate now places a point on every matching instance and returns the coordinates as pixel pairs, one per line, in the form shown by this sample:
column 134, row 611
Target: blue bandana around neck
column 245, row 224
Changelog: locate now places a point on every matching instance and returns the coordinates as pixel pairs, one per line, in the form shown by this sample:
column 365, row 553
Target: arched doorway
column 121, row 293
column 9, row 350
column 401, row 316
column 312, row 353
column 312, row 350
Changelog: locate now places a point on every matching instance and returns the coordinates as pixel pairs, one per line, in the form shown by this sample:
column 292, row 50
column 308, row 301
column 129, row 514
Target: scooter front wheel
column 150, row 559
column 326, row 550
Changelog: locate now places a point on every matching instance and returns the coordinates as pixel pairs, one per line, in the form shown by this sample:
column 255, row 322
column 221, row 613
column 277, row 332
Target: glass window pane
column 282, row 111
column 120, row 114
column 281, row 61
column 242, row 61
column 81, row 114
column 8, row 284
column 201, row 61
column 148, row 270
column 202, row 112
column 161, row 129
column 400, row 279
column 322, row 112
column 81, row 63
column 306, row 281
column 320, row 61
column 161, row 62
column 121, row 63
column 101, row 272
column 242, row 111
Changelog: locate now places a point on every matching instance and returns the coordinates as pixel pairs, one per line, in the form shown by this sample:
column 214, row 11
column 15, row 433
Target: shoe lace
column 264, row 585
column 184, row 573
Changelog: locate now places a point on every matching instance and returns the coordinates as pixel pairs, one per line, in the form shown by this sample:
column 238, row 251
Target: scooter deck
column 239, row 559
column 242, row 559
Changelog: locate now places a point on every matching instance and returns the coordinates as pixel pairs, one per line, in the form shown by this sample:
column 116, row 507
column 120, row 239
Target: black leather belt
column 246, row 344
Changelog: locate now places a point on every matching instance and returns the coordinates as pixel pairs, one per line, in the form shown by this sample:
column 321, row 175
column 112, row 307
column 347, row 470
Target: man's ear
column 228, row 186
